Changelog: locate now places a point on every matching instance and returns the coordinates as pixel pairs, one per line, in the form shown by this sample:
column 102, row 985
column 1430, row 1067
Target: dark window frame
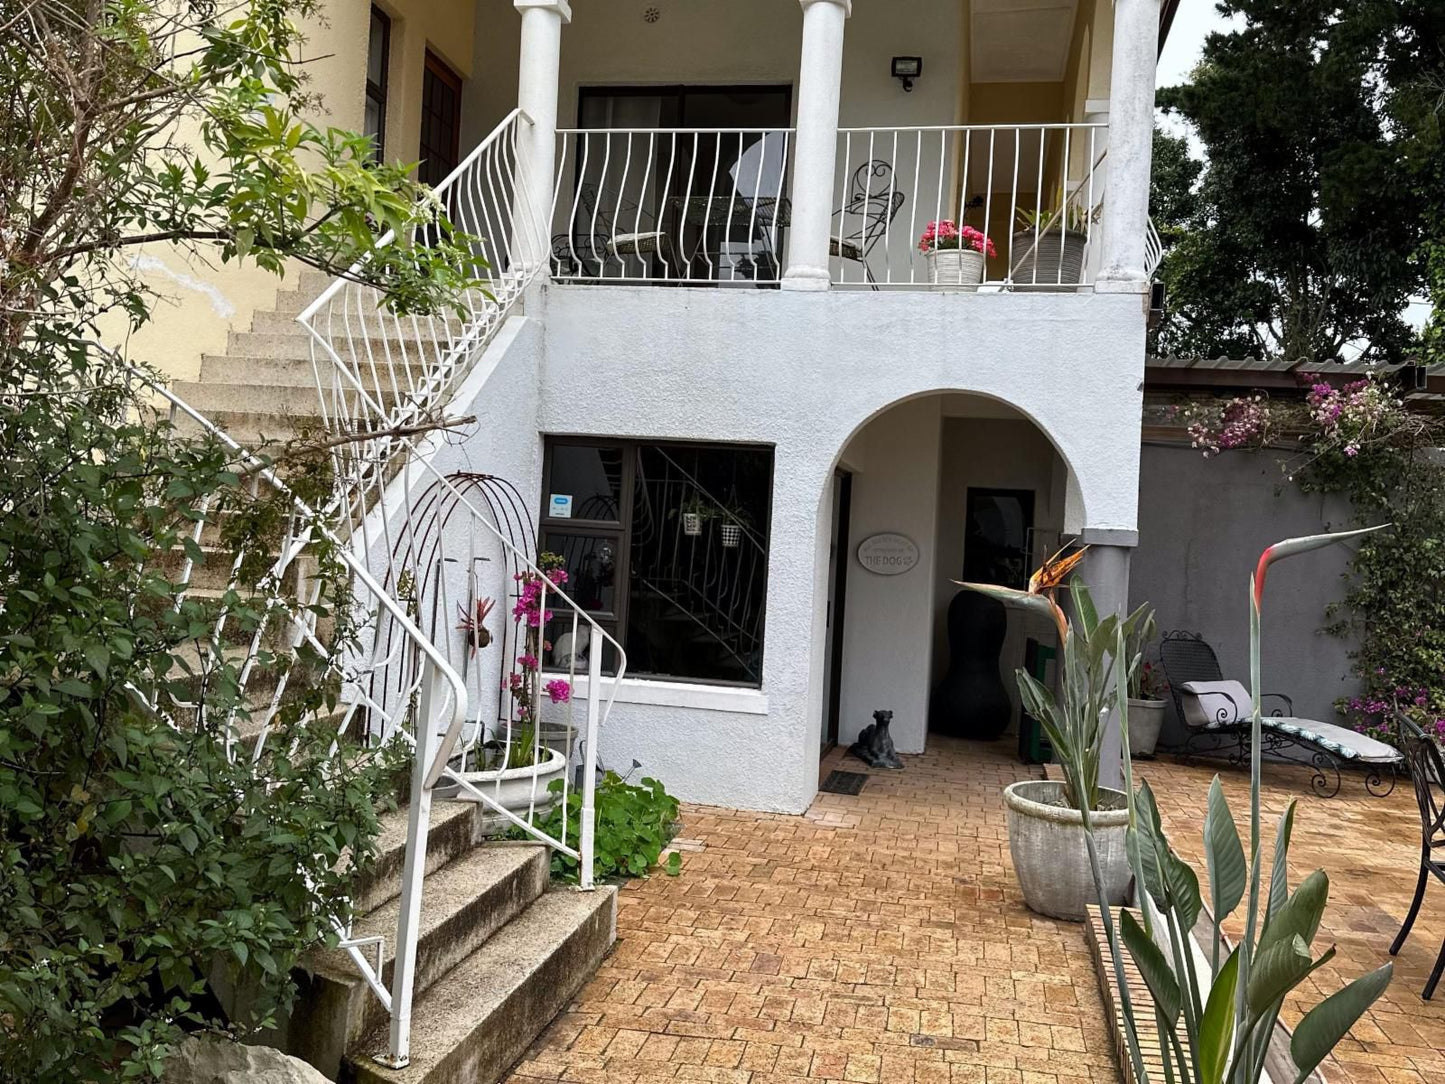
column 437, row 70
column 377, row 92
column 615, row 622
column 1028, row 500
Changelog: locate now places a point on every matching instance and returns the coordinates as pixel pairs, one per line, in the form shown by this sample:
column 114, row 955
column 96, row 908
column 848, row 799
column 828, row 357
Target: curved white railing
column 1153, row 249
column 386, row 384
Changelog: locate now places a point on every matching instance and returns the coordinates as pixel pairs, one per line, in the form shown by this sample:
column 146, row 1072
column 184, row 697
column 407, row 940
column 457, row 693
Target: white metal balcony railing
column 405, row 669
column 671, row 205
column 1033, row 191
column 712, row 206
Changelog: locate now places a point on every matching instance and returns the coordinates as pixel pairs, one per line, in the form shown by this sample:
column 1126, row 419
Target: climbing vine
column 1360, row 440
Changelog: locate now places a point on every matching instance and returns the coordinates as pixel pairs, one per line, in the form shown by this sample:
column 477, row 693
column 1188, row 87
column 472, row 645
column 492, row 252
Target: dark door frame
column 843, row 502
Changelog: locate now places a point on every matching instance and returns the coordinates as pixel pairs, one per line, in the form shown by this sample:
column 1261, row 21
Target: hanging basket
column 692, row 524
column 955, row 268
column 732, row 534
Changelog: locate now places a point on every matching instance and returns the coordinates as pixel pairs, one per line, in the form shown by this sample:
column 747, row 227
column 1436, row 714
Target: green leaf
column 1216, row 1026
column 1330, row 1021
column 1301, row 914
column 1276, row 971
column 98, row 656
column 674, row 864
column 1224, row 855
column 1279, row 875
column 1158, row 975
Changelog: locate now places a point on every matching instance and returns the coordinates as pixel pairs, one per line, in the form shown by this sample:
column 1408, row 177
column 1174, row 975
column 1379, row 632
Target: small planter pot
column 692, row 524
column 514, row 790
column 955, row 268
column 1046, row 839
column 1057, row 261
column 1146, row 720
column 732, row 534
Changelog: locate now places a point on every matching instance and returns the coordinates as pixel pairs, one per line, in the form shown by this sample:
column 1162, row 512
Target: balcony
column 713, row 206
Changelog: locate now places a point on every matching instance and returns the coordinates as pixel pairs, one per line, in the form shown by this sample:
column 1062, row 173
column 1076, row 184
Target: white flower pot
column 1046, row 839
column 1057, row 261
column 692, row 524
column 732, row 534
column 955, row 268
column 517, row 790
column 1146, row 720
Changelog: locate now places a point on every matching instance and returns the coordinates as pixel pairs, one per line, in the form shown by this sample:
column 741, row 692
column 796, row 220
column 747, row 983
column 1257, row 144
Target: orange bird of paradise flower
column 1043, row 585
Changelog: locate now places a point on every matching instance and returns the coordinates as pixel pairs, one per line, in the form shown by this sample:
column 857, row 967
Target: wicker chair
column 1427, row 768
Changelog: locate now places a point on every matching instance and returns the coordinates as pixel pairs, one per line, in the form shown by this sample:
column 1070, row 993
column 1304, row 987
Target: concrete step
column 250, row 428
column 455, row 829
column 482, row 1015
column 283, row 400
column 275, row 344
column 463, row 904
column 379, row 325
column 293, row 372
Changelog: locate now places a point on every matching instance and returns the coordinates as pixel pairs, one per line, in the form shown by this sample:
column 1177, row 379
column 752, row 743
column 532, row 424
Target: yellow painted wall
column 201, row 303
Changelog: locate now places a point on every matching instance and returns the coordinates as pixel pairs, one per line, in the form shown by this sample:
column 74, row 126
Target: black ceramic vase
column 971, row 700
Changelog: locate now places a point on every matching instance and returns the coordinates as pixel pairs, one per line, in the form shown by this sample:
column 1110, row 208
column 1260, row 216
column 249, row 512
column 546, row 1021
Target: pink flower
column 527, row 662
column 559, row 690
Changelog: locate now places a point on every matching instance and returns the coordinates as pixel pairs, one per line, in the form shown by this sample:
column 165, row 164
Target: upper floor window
column 378, row 60
column 441, row 121
column 666, row 547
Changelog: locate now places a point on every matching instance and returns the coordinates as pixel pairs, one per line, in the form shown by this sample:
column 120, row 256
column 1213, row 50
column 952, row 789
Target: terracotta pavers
column 882, row 938
column 1370, row 847
column 879, row 939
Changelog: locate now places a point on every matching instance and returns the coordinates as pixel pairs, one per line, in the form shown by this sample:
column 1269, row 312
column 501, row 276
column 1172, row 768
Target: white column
column 539, row 67
column 815, row 148
column 1106, row 571
column 1131, row 141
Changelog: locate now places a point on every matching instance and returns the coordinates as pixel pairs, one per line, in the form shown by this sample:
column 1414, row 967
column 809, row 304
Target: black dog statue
column 874, row 746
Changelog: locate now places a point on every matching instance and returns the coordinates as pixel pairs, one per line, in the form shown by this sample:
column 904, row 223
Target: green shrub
column 634, row 824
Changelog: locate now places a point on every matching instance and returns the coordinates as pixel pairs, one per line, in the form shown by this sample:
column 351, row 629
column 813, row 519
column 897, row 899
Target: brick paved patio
column 882, row 938
column 1370, row 847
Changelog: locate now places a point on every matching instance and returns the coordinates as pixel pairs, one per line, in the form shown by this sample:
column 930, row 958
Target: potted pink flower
column 955, row 255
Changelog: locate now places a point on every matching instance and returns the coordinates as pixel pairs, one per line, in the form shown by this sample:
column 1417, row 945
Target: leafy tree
column 1307, row 231
column 144, row 844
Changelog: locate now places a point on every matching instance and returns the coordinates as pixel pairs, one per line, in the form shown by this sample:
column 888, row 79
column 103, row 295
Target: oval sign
column 888, row 554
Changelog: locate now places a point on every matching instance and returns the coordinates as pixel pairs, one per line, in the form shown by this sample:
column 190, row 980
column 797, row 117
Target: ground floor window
column 666, row 547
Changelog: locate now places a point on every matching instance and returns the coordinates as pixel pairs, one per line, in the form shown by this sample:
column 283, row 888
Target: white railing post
column 587, row 825
column 1131, row 142
column 815, row 149
column 408, row 924
column 538, row 67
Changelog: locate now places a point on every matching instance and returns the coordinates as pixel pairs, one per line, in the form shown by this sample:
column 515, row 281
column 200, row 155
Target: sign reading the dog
column 888, row 554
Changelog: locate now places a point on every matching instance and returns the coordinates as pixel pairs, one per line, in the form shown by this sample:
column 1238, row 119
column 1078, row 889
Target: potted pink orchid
column 955, row 255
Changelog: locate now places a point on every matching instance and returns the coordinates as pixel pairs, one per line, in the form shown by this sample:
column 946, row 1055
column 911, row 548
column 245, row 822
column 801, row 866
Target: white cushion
column 1215, row 703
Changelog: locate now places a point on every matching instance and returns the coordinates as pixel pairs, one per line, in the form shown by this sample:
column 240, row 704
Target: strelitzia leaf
column 1224, row 855
column 1024, row 600
column 1275, row 972
column 1183, row 889
column 1279, row 875
column 1158, row 975
column 1216, row 1026
column 1301, row 913
column 1330, row 1021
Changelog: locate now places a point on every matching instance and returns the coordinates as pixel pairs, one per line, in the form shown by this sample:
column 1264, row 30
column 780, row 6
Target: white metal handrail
column 678, row 205
column 385, row 382
column 1029, row 188
column 1153, row 249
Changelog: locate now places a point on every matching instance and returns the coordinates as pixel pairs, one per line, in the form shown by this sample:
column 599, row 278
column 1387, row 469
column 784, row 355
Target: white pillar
column 1131, row 141
column 539, row 67
column 1106, row 571
column 815, row 148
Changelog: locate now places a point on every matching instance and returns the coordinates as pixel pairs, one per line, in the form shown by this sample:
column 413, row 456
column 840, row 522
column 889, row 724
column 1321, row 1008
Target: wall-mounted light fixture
column 906, row 69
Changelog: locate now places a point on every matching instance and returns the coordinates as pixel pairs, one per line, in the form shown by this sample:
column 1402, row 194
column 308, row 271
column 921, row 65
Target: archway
column 942, row 486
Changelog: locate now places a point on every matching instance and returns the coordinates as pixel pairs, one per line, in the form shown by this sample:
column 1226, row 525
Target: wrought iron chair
column 873, row 202
column 1222, row 716
column 591, row 246
column 1427, row 768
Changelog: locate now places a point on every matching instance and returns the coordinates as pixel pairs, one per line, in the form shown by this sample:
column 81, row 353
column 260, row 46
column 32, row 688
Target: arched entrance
column 931, row 490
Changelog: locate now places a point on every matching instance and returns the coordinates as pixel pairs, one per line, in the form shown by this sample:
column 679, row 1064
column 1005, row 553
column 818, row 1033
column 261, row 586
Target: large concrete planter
column 1146, row 720
column 513, row 789
column 1046, row 839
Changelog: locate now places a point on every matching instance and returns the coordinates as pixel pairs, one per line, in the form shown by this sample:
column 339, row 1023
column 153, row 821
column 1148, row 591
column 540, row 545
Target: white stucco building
column 730, row 366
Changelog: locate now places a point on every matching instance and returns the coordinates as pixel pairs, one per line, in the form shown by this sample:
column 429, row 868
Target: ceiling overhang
column 1021, row 41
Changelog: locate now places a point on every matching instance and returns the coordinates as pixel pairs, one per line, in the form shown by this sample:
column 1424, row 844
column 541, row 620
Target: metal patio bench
column 1217, row 714
column 1427, row 768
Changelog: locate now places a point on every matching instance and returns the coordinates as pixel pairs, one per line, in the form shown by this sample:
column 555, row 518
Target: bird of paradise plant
column 1218, row 1032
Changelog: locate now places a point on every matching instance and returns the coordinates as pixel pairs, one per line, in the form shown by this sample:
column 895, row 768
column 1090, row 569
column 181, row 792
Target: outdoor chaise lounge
column 1217, row 715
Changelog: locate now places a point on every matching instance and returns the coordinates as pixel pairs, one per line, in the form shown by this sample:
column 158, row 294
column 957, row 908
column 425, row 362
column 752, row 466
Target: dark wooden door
column 441, row 120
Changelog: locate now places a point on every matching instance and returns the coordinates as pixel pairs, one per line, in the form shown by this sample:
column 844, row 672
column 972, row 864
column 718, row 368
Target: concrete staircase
column 499, row 955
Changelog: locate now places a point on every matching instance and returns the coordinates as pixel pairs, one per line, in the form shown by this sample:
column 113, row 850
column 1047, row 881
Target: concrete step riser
column 454, row 831
column 284, row 402
column 378, row 325
column 339, row 1009
column 518, row 982
column 293, row 372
